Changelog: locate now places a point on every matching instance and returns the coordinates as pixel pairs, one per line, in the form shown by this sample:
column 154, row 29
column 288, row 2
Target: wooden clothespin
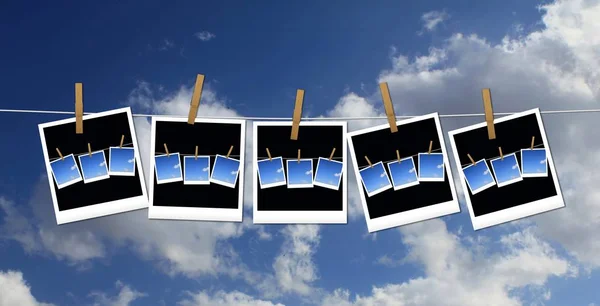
column 389, row 107
column 489, row 112
column 501, row 155
column 532, row 142
column 430, row 145
column 89, row 149
column 297, row 114
column 196, row 95
column 269, row 154
column 122, row 139
column 368, row 161
column 79, row 108
column 298, row 155
column 196, row 153
column 229, row 152
column 471, row 158
column 331, row 155
column 166, row 149
column 60, row 154
column 398, row 155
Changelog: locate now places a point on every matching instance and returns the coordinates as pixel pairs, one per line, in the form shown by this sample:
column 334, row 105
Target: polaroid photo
column 210, row 184
column 196, row 170
column 403, row 173
column 534, row 163
column 506, row 170
column 478, row 177
column 85, row 187
column 65, row 171
column 168, row 168
column 299, row 173
column 516, row 197
column 413, row 198
column 431, row 167
column 316, row 190
column 271, row 172
column 375, row 179
column 121, row 161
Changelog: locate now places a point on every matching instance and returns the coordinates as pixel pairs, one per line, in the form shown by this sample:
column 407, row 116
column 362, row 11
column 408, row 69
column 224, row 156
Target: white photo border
column 120, row 173
column 312, row 176
column 300, row 217
column 186, row 182
column 198, row 213
column 414, row 215
column 529, row 175
column 520, row 211
column 100, row 209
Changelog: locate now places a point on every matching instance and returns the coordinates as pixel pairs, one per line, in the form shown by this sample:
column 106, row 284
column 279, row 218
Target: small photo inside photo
column 167, row 168
column 65, row 171
column 225, row 171
column 431, row 167
column 534, row 163
column 506, row 170
column 196, row 170
column 403, row 173
column 93, row 167
column 271, row 173
column 478, row 177
column 300, row 173
column 121, row 161
column 329, row 173
column 375, row 179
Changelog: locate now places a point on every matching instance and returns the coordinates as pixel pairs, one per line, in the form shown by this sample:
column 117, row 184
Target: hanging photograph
column 514, row 176
column 303, row 180
column 88, row 178
column 416, row 185
column 197, row 169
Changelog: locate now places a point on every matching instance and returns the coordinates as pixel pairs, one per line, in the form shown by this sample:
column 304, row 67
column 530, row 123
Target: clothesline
column 401, row 157
column 86, row 153
column 503, row 154
column 574, row 111
column 295, row 158
column 213, row 155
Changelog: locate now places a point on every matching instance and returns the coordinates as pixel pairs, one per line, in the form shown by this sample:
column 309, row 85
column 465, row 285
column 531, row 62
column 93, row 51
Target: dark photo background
column 411, row 139
column 511, row 136
column 211, row 139
column 314, row 142
column 101, row 133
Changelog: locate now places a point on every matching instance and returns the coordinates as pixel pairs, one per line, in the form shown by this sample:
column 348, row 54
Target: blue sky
column 403, row 172
column 300, row 173
column 478, row 176
column 435, row 55
column 534, row 161
column 168, row 167
column 431, row 166
column 65, row 170
column 506, row 169
column 271, row 172
column 196, row 169
column 122, row 160
column 93, row 166
column 375, row 179
column 329, row 172
column 225, row 170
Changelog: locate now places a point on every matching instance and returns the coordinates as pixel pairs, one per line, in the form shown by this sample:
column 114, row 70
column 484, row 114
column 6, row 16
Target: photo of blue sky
column 534, row 163
column 479, row 177
column 168, row 168
column 431, row 167
column 196, row 170
column 506, row 170
column 300, row 174
column 271, row 172
column 65, row 171
column 375, row 179
column 329, row 173
column 403, row 173
column 225, row 171
column 121, row 161
column 93, row 167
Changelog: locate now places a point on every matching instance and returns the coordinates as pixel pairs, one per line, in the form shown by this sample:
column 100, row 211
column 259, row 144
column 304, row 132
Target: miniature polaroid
column 196, row 170
column 271, row 173
column 518, row 193
column 65, row 171
column 168, row 168
column 506, row 170
column 299, row 173
column 375, row 179
column 329, row 173
column 478, row 176
column 534, row 163
column 121, row 161
column 403, row 173
column 431, row 167
column 225, row 171
column 84, row 187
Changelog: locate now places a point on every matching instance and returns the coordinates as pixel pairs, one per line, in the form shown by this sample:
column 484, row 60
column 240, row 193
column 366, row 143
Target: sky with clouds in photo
column 435, row 56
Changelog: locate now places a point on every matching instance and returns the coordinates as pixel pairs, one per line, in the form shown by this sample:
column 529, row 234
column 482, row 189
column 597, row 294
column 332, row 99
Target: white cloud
column 125, row 296
column 131, row 160
column 102, row 164
column 176, row 166
column 205, row 169
column 440, row 166
column 382, row 174
column 279, row 170
column 486, row 172
column 73, row 167
column 412, row 170
column 233, row 172
column 514, row 166
column 337, row 174
column 309, row 172
column 432, row 19
column 15, row 291
column 205, row 35
column 222, row 298
column 543, row 161
column 166, row 45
